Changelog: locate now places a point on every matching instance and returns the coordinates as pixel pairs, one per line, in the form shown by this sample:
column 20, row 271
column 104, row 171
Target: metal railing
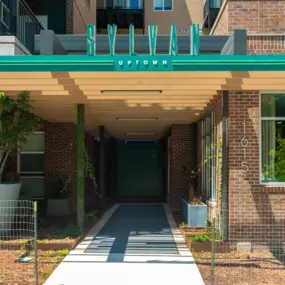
column 113, row 4
column 121, row 17
column 17, row 19
column 211, row 10
column 212, row 4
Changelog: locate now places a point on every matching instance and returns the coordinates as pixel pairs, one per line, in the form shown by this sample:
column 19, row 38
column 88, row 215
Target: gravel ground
column 14, row 273
column 242, row 268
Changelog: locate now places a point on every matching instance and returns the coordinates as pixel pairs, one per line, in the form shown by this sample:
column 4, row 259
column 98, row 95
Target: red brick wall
column 257, row 17
column 266, row 44
column 256, row 213
column 60, row 155
column 183, row 160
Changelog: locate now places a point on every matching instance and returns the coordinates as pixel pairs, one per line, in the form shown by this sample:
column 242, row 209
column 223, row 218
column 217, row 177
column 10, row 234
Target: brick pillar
column 60, row 156
column 183, row 160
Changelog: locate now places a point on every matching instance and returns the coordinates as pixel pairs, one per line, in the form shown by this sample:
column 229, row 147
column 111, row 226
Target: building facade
column 156, row 135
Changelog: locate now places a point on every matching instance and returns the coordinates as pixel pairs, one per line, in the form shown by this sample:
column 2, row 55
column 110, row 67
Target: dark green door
column 140, row 170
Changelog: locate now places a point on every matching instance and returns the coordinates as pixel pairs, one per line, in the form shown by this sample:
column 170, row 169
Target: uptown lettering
column 144, row 62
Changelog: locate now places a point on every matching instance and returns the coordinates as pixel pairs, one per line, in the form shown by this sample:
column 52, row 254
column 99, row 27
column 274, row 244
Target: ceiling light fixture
column 131, row 91
column 137, row 119
column 140, row 134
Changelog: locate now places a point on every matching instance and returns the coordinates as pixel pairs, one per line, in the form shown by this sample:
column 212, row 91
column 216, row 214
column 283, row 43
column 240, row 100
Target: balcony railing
column 211, row 11
column 120, row 4
column 121, row 17
column 17, row 19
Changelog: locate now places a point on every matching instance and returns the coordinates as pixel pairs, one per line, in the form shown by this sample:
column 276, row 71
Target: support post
column 225, row 166
column 36, row 242
column 102, row 162
column 80, row 165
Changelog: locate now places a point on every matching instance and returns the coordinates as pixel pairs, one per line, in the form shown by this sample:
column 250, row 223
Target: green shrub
column 200, row 238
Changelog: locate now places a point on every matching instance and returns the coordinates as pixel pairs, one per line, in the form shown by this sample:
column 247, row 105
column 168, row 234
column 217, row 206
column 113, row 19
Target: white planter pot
column 9, row 191
column 8, row 194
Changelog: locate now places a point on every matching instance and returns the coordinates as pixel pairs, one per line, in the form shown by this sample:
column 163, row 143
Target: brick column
column 60, row 156
column 183, row 160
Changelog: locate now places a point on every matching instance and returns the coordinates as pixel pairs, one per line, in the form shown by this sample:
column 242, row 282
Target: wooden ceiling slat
column 150, row 81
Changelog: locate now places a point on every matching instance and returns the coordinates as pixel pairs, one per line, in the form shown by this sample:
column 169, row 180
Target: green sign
column 152, row 35
column 143, row 63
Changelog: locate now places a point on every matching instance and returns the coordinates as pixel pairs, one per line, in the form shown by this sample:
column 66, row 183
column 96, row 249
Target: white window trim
column 260, row 136
column 163, row 7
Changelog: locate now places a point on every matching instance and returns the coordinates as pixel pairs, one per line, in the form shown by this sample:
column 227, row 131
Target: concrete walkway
column 132, row 244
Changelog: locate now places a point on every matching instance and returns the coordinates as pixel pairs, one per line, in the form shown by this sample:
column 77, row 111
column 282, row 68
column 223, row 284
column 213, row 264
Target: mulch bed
column 14, row 273
column 241, row 268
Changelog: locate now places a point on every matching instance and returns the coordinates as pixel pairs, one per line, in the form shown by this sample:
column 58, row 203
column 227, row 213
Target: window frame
column 208, row 173
column 27, row 173
column 260, row 135
column 163, row 10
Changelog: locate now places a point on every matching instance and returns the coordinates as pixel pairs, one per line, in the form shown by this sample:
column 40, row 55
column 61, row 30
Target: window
column 119, row 4
column 163, row 5
column 208, row 158
column 272, row 138
column 134, row 4
column 31, row 165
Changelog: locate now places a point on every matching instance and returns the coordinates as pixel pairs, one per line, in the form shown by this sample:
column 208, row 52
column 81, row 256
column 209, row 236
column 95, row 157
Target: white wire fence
column 18, row 243
column 252, row 253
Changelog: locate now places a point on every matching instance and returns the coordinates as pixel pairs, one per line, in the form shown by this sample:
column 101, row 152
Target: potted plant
column 59, row 203
column 15, row 124
column 194, row 212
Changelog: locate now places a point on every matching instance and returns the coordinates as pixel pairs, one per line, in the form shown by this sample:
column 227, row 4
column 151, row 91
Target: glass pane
column 158, row 4
column 273, row 105
column 109, row 4
column 32, row 163
column 134, row 4
column 32, row 187
column 167, row 5
column 273, row 151
column 35, row 142
column 119, row 4
column 208, row 166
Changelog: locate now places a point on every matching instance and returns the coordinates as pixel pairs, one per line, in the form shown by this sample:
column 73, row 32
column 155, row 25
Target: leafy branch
column 15, row 124
column 275, row 169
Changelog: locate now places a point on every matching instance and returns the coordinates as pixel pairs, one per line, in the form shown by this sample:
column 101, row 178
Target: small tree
column 275, row 169
column 15, row 125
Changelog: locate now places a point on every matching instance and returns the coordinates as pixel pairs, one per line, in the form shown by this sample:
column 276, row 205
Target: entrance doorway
column 140, row 171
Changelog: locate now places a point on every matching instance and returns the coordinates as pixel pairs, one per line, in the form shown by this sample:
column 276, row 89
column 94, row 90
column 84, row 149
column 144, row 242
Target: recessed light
column 140, row 134
column 137, row 119
column 131, row 91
